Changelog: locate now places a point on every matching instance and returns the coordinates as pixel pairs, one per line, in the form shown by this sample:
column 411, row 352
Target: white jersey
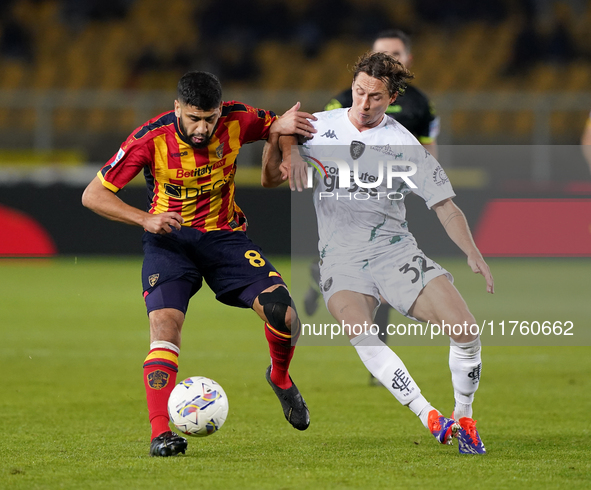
column 365, row 218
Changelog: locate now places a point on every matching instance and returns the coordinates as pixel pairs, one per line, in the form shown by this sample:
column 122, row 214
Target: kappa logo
column 329, row 134
column 219, row 151
column 153, row 279
column 356, row 149
column 157, row 379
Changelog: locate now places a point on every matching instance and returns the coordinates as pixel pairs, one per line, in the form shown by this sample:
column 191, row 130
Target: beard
column 189, row 137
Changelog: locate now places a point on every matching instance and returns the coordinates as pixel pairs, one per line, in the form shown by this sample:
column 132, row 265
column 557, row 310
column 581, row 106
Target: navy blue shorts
column 175, row 265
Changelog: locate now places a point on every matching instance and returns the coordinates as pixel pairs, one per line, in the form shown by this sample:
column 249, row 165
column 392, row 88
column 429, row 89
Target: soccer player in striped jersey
column 194, row 230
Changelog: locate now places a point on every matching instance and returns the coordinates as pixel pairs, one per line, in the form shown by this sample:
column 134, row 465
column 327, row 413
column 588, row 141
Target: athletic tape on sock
column 162, row 344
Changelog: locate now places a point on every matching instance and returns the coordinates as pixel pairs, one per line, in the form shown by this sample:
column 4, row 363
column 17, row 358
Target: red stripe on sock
column 281, row 352
column 163, row 350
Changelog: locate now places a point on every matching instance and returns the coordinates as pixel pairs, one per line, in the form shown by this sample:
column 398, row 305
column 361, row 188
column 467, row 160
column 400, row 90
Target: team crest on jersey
column 153, row 279
column 157, row 379
column 356, row 149
column 219, row 151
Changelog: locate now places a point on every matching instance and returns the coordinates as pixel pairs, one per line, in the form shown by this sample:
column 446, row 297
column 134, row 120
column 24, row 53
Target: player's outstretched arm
column 454, row 221
column 104, row 202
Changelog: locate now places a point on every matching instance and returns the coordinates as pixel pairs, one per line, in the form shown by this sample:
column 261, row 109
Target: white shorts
column 398, row 272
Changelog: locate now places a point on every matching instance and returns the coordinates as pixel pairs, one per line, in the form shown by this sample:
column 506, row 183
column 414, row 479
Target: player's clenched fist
column 163, row 223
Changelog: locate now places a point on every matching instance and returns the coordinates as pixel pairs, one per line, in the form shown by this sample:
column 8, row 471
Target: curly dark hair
column 385, row 68
column 200, row 89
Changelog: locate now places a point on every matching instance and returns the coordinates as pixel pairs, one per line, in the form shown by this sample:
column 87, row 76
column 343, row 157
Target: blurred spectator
column 321, row 22
column 544, row 11
column 527, row 49
column 146, row 62
column 531, row 46
column 231, row 30
column 236, row 18
column 236, row 59
column 15, row 41
column 277, row 19
column 77, row 13
column 456, row 12
column 368, row 18
column 561, row 47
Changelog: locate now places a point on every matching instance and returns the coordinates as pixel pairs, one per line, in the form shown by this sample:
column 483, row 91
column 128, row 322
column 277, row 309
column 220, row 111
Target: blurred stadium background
column 77, row 77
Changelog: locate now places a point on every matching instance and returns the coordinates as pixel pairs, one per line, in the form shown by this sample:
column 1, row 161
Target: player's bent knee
column 279, row 309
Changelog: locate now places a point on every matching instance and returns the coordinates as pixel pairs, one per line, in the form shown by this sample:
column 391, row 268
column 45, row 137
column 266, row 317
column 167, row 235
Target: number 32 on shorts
column 424, row 267
column 254, row 258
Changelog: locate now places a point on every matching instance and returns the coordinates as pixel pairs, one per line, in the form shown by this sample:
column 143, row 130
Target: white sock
column 162, row 344
column 387, row 368
column 465, row 366
column 421, row 408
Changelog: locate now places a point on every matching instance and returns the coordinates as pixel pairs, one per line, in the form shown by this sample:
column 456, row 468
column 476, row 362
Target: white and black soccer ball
column 198, row 406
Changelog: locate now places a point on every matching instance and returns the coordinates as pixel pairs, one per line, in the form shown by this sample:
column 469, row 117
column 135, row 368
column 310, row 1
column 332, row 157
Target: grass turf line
column 74, row 416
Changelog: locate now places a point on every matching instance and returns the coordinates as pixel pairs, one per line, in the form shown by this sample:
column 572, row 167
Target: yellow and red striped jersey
column 196, row 183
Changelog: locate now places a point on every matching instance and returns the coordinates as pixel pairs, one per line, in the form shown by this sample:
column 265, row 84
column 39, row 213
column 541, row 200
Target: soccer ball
column 198, row 406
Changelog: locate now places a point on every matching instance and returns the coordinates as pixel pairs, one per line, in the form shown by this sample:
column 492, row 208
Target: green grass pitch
column 74, row 336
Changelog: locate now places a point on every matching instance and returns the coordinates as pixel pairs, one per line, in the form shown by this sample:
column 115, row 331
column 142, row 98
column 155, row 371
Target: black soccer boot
column 168, row 444
column 294, row 406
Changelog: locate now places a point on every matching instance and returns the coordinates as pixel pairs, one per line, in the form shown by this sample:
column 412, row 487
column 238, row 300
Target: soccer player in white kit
column 366, row 250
